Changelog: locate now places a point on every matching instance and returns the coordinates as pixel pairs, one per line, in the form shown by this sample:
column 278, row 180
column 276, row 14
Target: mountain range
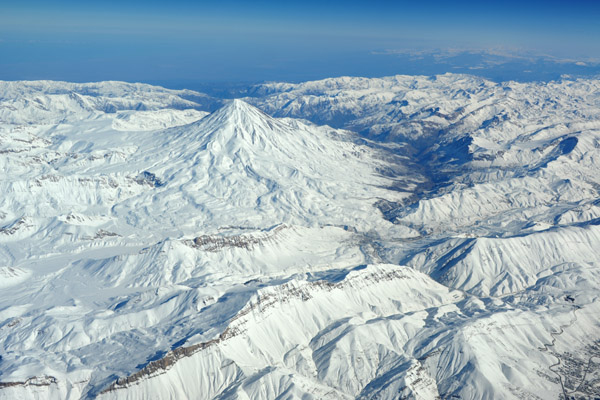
column 399, row 237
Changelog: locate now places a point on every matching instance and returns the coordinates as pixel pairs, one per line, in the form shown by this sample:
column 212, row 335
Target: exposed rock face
column 245, row 241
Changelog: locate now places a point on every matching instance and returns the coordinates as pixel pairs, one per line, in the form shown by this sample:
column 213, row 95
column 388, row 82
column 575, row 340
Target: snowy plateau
column 405, row 237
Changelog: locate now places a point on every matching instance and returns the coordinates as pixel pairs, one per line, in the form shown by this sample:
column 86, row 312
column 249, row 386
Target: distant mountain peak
column 239, row 112
column 238, row 104
column 239, row 125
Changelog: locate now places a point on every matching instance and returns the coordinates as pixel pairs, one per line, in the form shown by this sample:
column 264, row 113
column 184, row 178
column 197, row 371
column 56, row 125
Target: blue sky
column 246, row 41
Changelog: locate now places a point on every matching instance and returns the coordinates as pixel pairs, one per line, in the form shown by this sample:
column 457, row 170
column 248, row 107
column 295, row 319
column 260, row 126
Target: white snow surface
column 401, row 237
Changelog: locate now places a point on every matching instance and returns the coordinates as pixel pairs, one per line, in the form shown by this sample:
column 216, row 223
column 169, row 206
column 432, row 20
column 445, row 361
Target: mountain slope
column 248, row 197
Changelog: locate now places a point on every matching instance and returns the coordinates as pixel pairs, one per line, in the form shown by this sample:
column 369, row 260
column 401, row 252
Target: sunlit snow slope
column 165, row 244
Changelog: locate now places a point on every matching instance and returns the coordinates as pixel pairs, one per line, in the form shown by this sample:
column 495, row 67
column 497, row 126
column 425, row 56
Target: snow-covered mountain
column 402, row 237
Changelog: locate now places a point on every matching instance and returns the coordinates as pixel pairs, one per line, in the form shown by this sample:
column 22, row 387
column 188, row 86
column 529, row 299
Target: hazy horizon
column 186, row 43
